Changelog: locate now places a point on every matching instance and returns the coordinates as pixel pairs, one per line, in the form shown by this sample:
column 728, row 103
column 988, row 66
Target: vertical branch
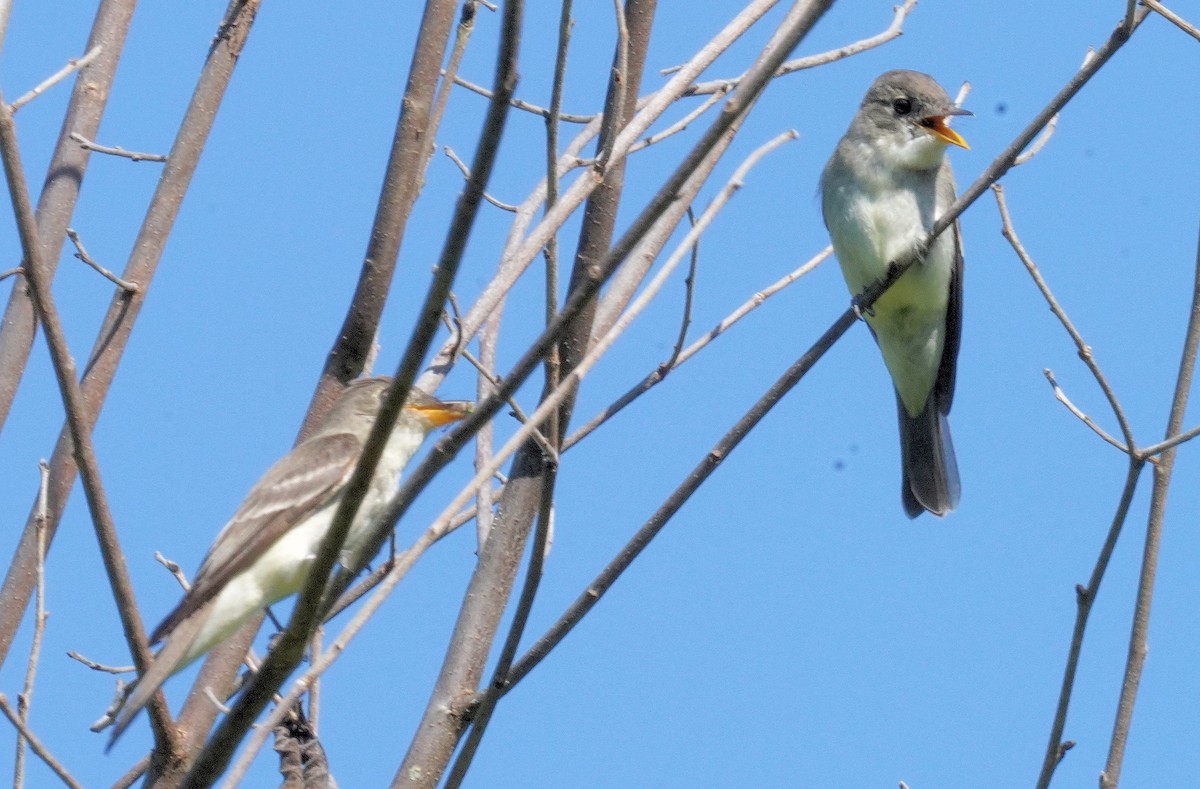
column 484, row 439
column 39, row 624
column 60, row 191
column 78, row 422
column 412, row 148
column 551, row 252
column 56, row 204
column 1158, row 503
column 530, row 478
column 1085, row 598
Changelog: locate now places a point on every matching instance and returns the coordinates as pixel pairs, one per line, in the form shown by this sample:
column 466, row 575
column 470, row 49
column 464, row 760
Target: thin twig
column 132, row 775
column 489, row 340
column 689, row 294
column 1135, row 661
column 1154, row 449
column 174, row 569
column 82, row 254
column 72, row 66
column 660, row 373
column 518, row 413
column 681, row 124
column 100, row 666
column 1173, row 18
column 893, row 30
column 553, row 360
column 36, row 745
column 462, row 35
column 462, row 166
column 614, row 111
column 1061, row 397
column 1085, row 597
column 116, row 150
column 1039, row 143
column 39, row 618
column 521, row 104
column 1085, row 352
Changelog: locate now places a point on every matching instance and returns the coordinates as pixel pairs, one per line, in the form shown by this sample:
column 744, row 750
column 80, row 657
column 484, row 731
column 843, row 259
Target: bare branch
column 1138, row 648
column 1085, row 597
column 1085, row 352
column 1173, row 18
column 116, row 150
column 1154, row 449
column 660, row 373
column 1061, row 397
column 39, row 619
column 1039, row 143
column 77, row 411
column 521, row 104
column 412, row 149
column 60, row 191
column 689, row 294
column 462, row 166
column 100, row 666
column 36, row 745
column 485, row 385
column 174, row 569
column 83, row 255
column 520, row 250
column 72, row 66
column 893, row 30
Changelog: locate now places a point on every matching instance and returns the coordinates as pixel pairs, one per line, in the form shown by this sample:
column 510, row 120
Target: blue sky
column 790, row 626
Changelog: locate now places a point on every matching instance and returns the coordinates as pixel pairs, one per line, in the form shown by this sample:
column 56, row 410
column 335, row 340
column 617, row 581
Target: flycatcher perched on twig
column 266, row 550
column 887, row 183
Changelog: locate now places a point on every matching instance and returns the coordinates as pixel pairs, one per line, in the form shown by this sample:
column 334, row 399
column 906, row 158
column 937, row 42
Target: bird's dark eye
column 902, row 106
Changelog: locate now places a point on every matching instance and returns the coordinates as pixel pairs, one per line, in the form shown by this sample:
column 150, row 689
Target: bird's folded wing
column 290, row 491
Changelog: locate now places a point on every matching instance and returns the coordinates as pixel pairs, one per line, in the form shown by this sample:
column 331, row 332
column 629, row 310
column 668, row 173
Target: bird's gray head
column 906, row 112
column 357, row 406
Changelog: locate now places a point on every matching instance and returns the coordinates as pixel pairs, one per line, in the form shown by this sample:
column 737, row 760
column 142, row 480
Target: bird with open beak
column 267, row 549
column 883, row 189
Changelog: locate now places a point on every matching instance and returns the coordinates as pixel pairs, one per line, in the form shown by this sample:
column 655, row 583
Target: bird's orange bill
column 938, row 128
column 444, row 413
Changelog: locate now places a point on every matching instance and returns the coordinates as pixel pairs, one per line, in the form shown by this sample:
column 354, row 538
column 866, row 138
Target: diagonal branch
column 78, row 421
column 60, row 191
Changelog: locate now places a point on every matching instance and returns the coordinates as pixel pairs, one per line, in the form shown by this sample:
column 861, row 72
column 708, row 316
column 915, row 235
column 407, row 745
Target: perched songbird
column 881, row 192
column 266, row 550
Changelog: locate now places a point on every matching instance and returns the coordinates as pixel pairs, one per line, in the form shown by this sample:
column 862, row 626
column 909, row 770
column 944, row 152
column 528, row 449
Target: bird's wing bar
column 289, row 492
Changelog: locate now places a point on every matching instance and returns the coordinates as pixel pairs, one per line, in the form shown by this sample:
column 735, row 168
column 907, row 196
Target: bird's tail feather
column 165, row 663
column 927, row 457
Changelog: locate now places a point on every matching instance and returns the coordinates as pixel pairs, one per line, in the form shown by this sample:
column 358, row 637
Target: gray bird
column 267, row 549
column 884, row 187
